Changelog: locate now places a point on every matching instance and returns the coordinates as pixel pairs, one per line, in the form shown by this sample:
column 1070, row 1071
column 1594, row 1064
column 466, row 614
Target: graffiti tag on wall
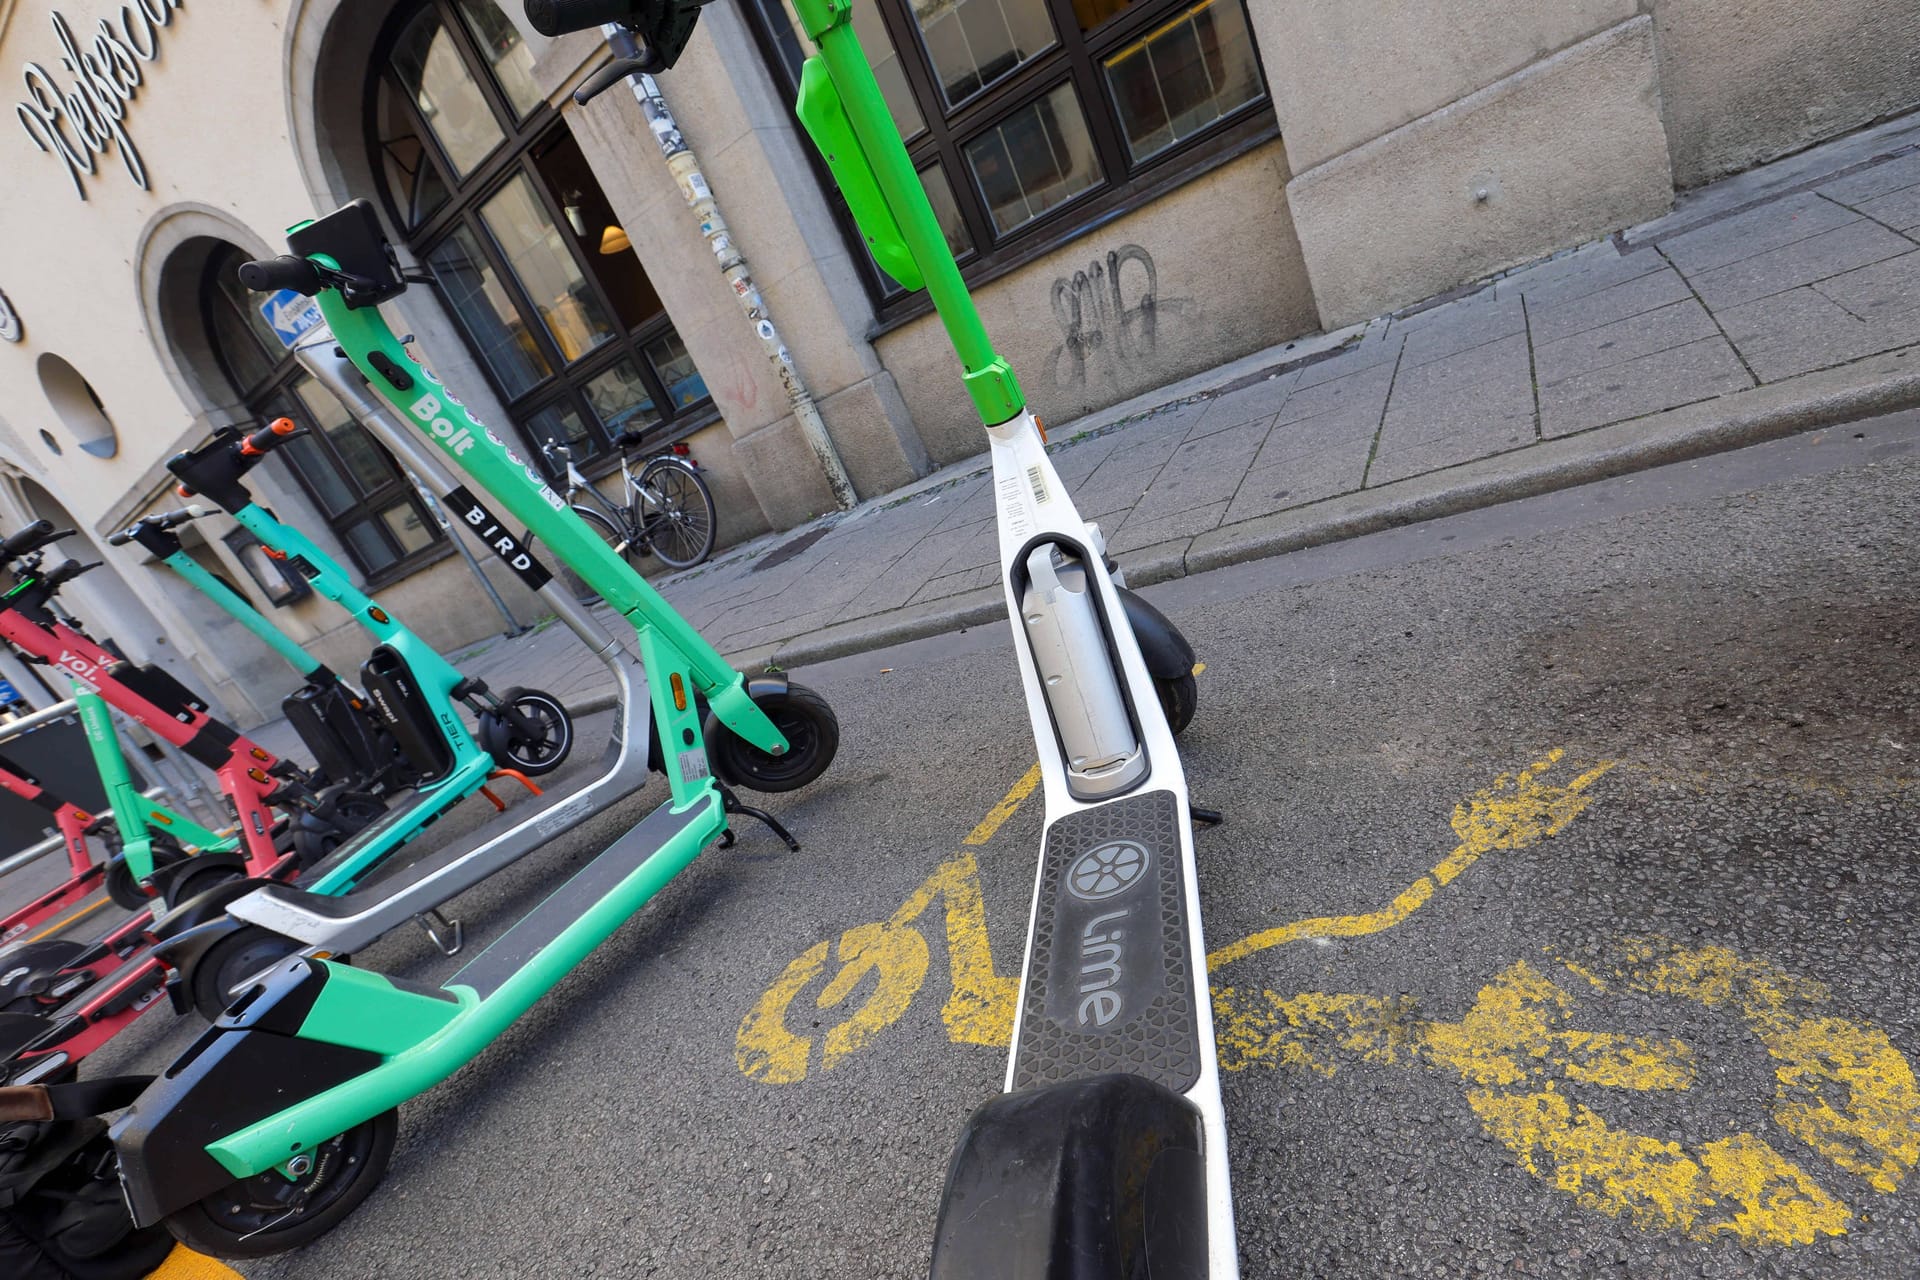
column 1109, row 317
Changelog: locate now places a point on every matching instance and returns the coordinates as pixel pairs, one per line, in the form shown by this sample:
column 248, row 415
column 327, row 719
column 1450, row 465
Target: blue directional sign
column 291, row 315
column 8, row 694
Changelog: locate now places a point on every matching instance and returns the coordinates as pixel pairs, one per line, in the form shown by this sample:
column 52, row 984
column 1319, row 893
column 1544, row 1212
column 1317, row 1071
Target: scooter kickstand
column 440, row 929
column 730, row 803
column 1205, row 817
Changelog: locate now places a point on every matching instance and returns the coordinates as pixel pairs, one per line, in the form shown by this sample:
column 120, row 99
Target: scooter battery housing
column 338, row 732
column 395, row 694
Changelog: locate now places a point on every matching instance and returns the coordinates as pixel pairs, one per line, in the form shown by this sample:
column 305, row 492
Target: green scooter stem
column 131, row 810
column 829, row 23
column 364, row 335
column 243, row 612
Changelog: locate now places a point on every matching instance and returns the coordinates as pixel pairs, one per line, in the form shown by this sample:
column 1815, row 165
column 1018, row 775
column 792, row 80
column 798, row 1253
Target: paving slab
column 1460, row 326
column 1797, row 332
column 1897, row 209
column 1185, row 523
column 1363, row 392
column 1302, row 479
column 1583, row 271
column 1550, row 321
column 1659, row 380
column 1480, row 398
column 1882, row 291
column 1201, row 472
column 1625, row 340
column 1802, row 262
column 1755, row 232
column 1259, row 402
column 1896, row 173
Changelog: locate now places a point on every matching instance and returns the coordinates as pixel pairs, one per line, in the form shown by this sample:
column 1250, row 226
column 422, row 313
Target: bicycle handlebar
column 30, row 537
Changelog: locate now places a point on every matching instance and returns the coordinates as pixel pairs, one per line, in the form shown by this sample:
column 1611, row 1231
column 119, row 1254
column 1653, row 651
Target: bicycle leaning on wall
column 665, row 508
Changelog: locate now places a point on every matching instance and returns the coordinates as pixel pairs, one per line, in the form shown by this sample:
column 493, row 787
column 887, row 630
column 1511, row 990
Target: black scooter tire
column 213, row 977
column 1179, row 699
column 120, row 884
column 813, row 736
column 21, row 963
column 194, row 883
column 209, row 1226
column 496, row 735
column 354, row 812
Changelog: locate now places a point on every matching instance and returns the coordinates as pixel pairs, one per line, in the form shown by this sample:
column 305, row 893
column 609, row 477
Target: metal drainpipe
column 685, row 167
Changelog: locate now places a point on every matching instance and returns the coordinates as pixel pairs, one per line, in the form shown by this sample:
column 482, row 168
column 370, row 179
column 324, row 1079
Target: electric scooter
column 71, row 821
column 280, row 1119
column 1106, row 1158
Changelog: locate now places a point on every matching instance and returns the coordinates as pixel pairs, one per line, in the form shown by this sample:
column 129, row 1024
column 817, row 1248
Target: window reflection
column 505, row 51
column 546, row 270
column 1038, row 157
column 492, row 322
column 621, row 400
column 429, row 66
column 1183, row 76
column 975, row 43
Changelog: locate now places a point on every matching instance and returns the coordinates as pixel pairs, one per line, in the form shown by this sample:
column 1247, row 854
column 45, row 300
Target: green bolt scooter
column 280, row 1119
column 1105, row 1159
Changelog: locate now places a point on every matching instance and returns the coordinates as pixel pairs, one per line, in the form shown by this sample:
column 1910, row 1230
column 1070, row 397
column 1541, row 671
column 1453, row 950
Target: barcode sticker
column 1039, row 484
column 693, row 766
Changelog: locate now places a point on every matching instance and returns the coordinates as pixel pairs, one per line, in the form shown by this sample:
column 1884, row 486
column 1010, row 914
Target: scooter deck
column 1110, row 971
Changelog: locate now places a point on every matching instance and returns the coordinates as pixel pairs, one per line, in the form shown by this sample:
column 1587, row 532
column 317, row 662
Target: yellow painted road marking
column 1518, row 810
column 1004, row 810
column 184, row 1264
column 1841, row 1087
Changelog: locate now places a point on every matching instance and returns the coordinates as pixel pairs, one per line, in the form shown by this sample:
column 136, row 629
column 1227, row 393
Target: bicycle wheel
column 680, row 528
column 630, row 549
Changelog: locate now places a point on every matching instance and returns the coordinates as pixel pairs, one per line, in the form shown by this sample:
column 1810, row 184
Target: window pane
column 546, row 270
column 408, row 527
column 622, row 399
column 670, row 360
column 560, row 424
column 368, row 547
column 366, row 460
column 487, row 313
column 508, row 55
column 413, row 179
column 946, row 209
column 1183, row 76
column 587, row 219
column 974, row 43
column 1033, row 160
column 1091, row 13
column 323, row 479
column 431, row 71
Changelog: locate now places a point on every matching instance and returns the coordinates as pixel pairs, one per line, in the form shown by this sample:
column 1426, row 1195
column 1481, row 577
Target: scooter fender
column 164, row 877
column 247, row 1066
column 203, row 907
column 738, row 707
column 1167, row 654
column 1086, row 1180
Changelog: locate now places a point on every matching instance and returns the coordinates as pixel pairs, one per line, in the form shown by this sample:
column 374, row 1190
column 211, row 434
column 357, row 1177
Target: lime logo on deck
column 455, row 440
column 1111, row 868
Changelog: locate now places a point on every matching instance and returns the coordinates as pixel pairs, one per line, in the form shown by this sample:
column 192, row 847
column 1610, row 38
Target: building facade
column 1137, row 189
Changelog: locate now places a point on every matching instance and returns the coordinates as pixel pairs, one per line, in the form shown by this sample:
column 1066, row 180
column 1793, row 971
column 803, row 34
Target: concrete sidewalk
column 1781, row 300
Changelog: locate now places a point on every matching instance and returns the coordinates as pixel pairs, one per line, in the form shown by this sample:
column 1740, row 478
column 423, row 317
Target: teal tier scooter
column 406, row 731
column 1106, row 1157
column 280, row 1119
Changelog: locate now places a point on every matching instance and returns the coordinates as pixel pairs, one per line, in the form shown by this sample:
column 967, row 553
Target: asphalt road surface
column 1563, row 924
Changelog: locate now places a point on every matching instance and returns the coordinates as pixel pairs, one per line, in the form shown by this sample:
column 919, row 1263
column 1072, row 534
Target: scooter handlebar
column 283, row 272
column 557, row 17
column 148, row 526
column 31, row 537
column 66, row 571
column 270, row 437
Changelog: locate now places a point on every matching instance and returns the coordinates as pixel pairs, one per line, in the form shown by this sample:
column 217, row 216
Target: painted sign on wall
column 82, row 119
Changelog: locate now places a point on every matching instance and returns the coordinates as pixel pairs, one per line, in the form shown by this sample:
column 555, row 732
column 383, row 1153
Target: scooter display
column 1106, row 1157
column 279, row 1120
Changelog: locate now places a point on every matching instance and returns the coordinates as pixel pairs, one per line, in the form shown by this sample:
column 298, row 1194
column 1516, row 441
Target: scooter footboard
column 1102, row 1178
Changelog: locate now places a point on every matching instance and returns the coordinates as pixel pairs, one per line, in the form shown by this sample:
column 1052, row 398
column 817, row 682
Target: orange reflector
column 258, row 775
column 161, row 818
column 1041, row 427
column 679, row 693
column 378, row 614
column 260, row 754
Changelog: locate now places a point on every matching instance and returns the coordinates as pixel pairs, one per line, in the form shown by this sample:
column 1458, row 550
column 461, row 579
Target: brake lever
column 614, row 72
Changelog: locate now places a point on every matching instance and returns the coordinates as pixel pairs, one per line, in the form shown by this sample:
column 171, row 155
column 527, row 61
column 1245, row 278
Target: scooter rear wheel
column 218, row 976
column 812, row 732
column 194, row 883
column 270, row 1213
column 121, row 886
column 352, row 813
column 539, row 756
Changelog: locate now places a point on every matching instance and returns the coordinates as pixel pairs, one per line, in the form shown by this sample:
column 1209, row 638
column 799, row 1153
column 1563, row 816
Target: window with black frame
column 1028, row 118
column 352, row 480
column 496, row 198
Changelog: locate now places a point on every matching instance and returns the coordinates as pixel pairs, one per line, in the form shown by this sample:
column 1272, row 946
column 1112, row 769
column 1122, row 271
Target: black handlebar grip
column 269, row 437
column 283, row 272
column 24, row 539
column 557, row 17
column 66, row 571
column 121, row 538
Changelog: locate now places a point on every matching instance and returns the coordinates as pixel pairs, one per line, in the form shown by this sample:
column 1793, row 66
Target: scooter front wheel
column 126, row 893
column 543, row 752
column 273, row 1212
column 229, row 964
column 1178, row 698
column 812, row 732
